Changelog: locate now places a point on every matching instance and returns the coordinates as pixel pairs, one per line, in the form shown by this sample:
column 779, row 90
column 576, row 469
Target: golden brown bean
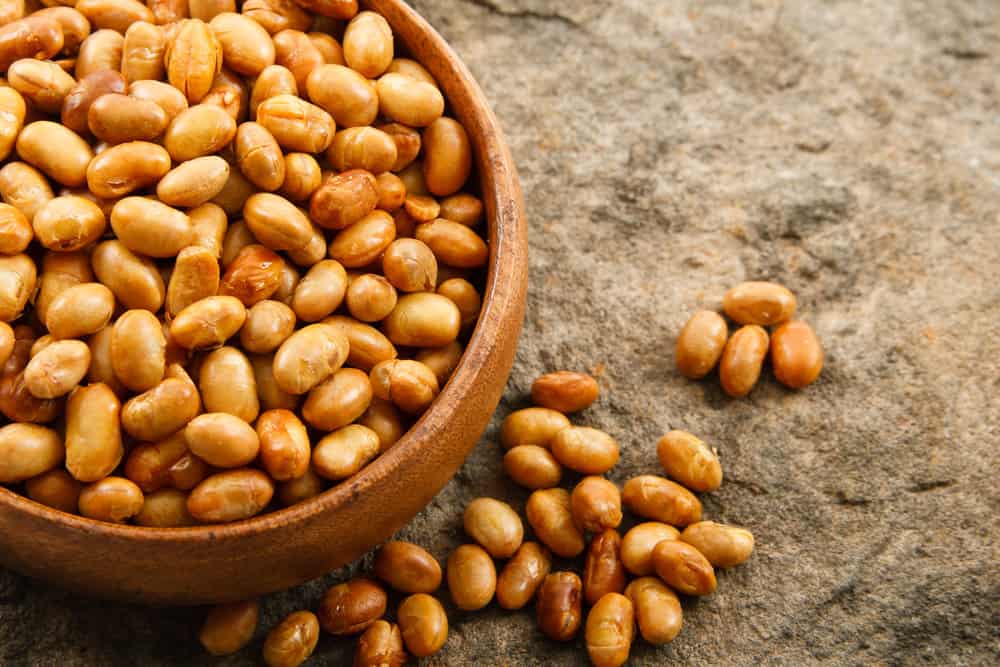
column 100, row 361
column 208, row 323
column 596, row 505
column 237, row 237
column 350, row 607
column 522, row 576
column 27, row 450
column 657, row 610
column 410, row 265
column 296, row 124
column 206, row 10
column 308, row 357
column 143, row 52
column 423, row 319
column 133, row 279
column 7, row 343
column 407, row 142
column 229, row 627
column 55, row 488
column 361, row 244
column 270, row 395
column 253, row 275
column 532, row 426
column 93, row 435
column 199, row 130
column 247, row 48
column 328, row 47
column 75, row 25
column 368, row 345
column 151, row 227
column 127, row 167
column 494, row 525
column 300, row 489
column 195, row 277
column 690, row 461
column 18, row 404
column 391, row 192
column 343, row 199
column 24, row 340
column 412, row 69
column 742, row 360
column 18, row 278
column 277, row 15
column 532, row 467
column 39, row 344
column 102, row 50
column 169, row 98
column 447, row 157
column 722, row 545
column 41, row 82
column 194, row 182
column 345, row 452
column 700, row 344
column 56, row 150
column 276, row 222
column 226, row 383
column 381, row 645
column 759, row 303
column 603, row 570
column 193, row 58
column 60, row 271
column 407, row 567
column 586, row 450
column 370, row 297
column 548, row 512
column 166, row 508
column 268, row 325
column 230, row 496
column 112, row 499
column 234, row 194
column 339, row 400
column 259, row 156
column 312, row 252
column 462, row 208
column 286, row 287
column 24, row 187
column 383, row 418
column 408, row 384
column 796, row 354
column 302, row 176
column 409, row 101
column 164, row 409
column 565, row 391
column 166, row 12
column 684, row 568
column 138, row 350
column 453, row 243
column 423, row 623
column 272, row 81
column 336, row 9
column 36, row 37
column 560, row 606
column 149, row 464
column 292, row 641
column 12, row 113
column 115, row 15
column 80, row 310
column 368, row 44
column 345, row 94
column 297, row 53
column 421, row 208
column 660, row 499
column 284, row 444
column 364, row 148
column 610, row 629
column 222, row 440
column 230, row 93
column 464, row 295
column 68, row 223
column 472, row 577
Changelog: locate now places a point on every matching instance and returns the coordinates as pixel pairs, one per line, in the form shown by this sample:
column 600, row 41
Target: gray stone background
column 668, row 149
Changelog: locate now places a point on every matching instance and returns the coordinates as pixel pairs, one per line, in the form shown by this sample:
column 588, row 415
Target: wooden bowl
column 285, row 548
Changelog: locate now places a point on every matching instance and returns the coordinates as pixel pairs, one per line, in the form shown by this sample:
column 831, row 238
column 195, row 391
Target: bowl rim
column 505, row 286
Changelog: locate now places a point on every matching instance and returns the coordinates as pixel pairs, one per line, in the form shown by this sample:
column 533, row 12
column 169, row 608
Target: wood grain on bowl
column 275, row 551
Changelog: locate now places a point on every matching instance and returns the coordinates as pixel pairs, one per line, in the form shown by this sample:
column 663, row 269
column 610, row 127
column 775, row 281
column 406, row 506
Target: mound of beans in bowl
column 237, row 259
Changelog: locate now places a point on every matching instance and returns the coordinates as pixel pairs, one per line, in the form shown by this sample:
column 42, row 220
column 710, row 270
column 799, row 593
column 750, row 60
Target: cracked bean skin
column 610, row 629
column 560, row 606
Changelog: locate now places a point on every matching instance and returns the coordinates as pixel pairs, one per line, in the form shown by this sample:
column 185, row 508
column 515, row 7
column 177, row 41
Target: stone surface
column 846, row 148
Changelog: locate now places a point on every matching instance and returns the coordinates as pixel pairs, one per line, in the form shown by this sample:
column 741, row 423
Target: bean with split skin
column 684, row 568
column 292, row 641
column 308, row 357
column 662, row 500
column 690, row 461
column 596, row 504
column 560, row 606
column 423, row 624
column 350, row 607
column 58, row 369
column 343, row 199
column 381, row 645
column 522, row 576
column 603, row 570
column 408, row 384
column 610, row 629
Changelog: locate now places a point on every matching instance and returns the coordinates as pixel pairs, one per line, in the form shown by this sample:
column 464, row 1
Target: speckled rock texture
column 669, row 149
